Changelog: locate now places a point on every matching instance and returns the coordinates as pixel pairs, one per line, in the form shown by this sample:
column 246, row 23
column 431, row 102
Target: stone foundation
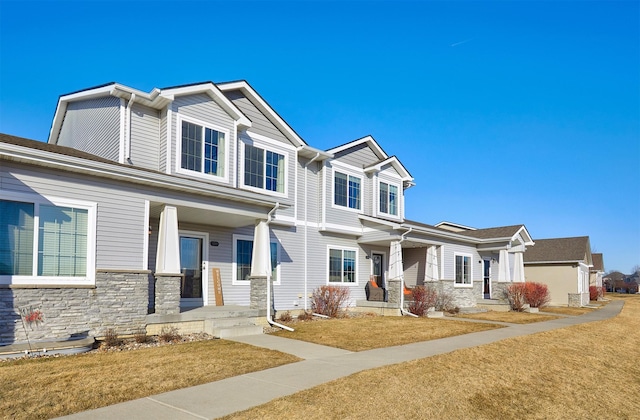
column 119, row 300
column 393, row 292
column 499, row 291
column 258, row 295
column 577, row 300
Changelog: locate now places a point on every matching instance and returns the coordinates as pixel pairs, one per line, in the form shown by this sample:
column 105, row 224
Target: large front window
column 263, row 169
column 388, row 199
column 463, row 270
column 342, row 265
column 243, row 256
column 43, row 240
column 203, row 149
column 346, row 190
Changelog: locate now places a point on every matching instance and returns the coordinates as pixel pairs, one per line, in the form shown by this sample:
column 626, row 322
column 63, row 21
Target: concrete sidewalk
column 322, row 364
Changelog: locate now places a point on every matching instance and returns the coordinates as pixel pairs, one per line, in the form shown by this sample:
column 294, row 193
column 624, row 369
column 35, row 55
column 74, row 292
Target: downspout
column 128, row 139
column 306, row 206
column 402, row 311
column 269, row 319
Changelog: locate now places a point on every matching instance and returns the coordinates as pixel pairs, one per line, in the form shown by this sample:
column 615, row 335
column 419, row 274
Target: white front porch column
column 432, row 264
column 518, row 268
column 503, row 271
column 394, row 285
column 260, row 257
column 168, row 255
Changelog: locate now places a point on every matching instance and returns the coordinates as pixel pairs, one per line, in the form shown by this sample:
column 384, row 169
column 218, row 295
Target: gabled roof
column 598, row 262
column 560, row 250
column 393, row 161
column 157, row 98
column 454, row 227
column 265, row 108
column 368, row 140
column 501, row 232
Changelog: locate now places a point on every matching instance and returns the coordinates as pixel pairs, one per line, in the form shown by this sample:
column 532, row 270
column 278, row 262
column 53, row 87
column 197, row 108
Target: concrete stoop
column 220, row 322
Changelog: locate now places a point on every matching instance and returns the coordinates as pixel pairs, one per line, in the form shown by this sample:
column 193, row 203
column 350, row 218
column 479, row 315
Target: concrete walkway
column 322, row 364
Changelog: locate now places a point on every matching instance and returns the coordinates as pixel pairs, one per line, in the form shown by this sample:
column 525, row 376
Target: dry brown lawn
column 50, row 387
column 565, row 310
column 584, row 371
column 358, row 334
column 511, row 317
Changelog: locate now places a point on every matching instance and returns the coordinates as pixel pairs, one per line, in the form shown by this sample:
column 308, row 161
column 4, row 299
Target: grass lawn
column 358, row 334
column 50, row 387
column 565, row 310
column 511, row 317
column 583, row 371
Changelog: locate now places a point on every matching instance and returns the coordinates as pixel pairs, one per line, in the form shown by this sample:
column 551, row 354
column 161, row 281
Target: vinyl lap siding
column 414, row 260
column 359, row 156
column 162, row 159
column 203, row 108
column 120, row 210
column 449, row 251
column 145, row 137
column 260, row 124
column 310, row 189
column 93, row 126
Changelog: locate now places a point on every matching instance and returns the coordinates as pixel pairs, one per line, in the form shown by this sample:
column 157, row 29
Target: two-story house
column 194, row 196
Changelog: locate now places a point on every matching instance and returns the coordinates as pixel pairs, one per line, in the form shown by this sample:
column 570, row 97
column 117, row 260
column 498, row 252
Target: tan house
column 597, row 271
column 563, row 264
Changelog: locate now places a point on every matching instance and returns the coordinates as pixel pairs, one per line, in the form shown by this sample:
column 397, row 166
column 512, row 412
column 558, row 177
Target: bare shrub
column 445, row 302
column 169, row 334
column 305, row 316
column 286, row 317
column 111, row 338
column 423, row 298
column 516, row 296
column 140, row 336
column 537, row 295
column 327, row 300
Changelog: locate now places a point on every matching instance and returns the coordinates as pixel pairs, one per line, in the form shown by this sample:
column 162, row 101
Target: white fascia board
column 550, row 262
column 214, row 93
column 441, row 234
column 311, row 152
column 455, row 225
column 380, row 221
column 524, row 233
column 402, row 171
column 373, row 144
column 265, row 108
column 127, row 174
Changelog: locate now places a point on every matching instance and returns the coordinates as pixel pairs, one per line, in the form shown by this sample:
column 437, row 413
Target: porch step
column 236, row 331
column 493, row 305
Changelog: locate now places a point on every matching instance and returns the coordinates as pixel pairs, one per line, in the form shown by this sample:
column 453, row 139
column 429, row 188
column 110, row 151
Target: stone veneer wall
column 463, row 297
column 577, row 300
column 119, row 300
column 499, row 290
column 167, row 294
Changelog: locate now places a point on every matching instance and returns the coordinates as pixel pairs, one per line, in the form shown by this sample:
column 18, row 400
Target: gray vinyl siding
column 359, row 156
column 311, row 188
column 449, row 250
column 162, row 157
column 414, row 261
column 343, row 216
column 205, row 109
column 145, row 137
column 93, row 126
column 120, row 225
column 260, row 124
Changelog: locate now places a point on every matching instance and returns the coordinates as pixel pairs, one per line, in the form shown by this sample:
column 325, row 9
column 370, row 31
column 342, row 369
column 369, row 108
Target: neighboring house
column 563, row 264
column 612, row 278
column 597, row 271
column 140, row 202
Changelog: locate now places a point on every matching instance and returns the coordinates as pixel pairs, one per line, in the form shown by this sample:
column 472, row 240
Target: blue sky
column 504, row 112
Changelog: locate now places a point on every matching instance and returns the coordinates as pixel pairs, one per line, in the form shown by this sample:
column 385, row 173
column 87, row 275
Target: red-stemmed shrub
column 537, row 295
column 423, row 298
column 327, row 300
column 516, row 296
column 596, row 292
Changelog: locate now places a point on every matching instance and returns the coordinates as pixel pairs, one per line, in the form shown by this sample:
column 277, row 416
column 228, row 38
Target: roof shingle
column 558, row 249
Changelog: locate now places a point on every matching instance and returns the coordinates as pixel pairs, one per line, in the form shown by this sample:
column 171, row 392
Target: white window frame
column 35, row 279
column 356, row 269
column 226, row 157
column 463, row 255
column 234, row 272
column 345, row 171
column 398, row 198
column 266, row 144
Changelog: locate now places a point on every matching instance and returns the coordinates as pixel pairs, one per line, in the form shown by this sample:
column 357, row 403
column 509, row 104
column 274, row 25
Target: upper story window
column 46, row 241
column 347, row 190
column 388, row 199
column 463, row 270
column 203, row 149
column 264, row 169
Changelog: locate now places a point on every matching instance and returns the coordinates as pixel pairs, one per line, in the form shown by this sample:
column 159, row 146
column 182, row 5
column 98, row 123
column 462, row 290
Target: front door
column 377, row 269
column 193, row 268
column 487, row 278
